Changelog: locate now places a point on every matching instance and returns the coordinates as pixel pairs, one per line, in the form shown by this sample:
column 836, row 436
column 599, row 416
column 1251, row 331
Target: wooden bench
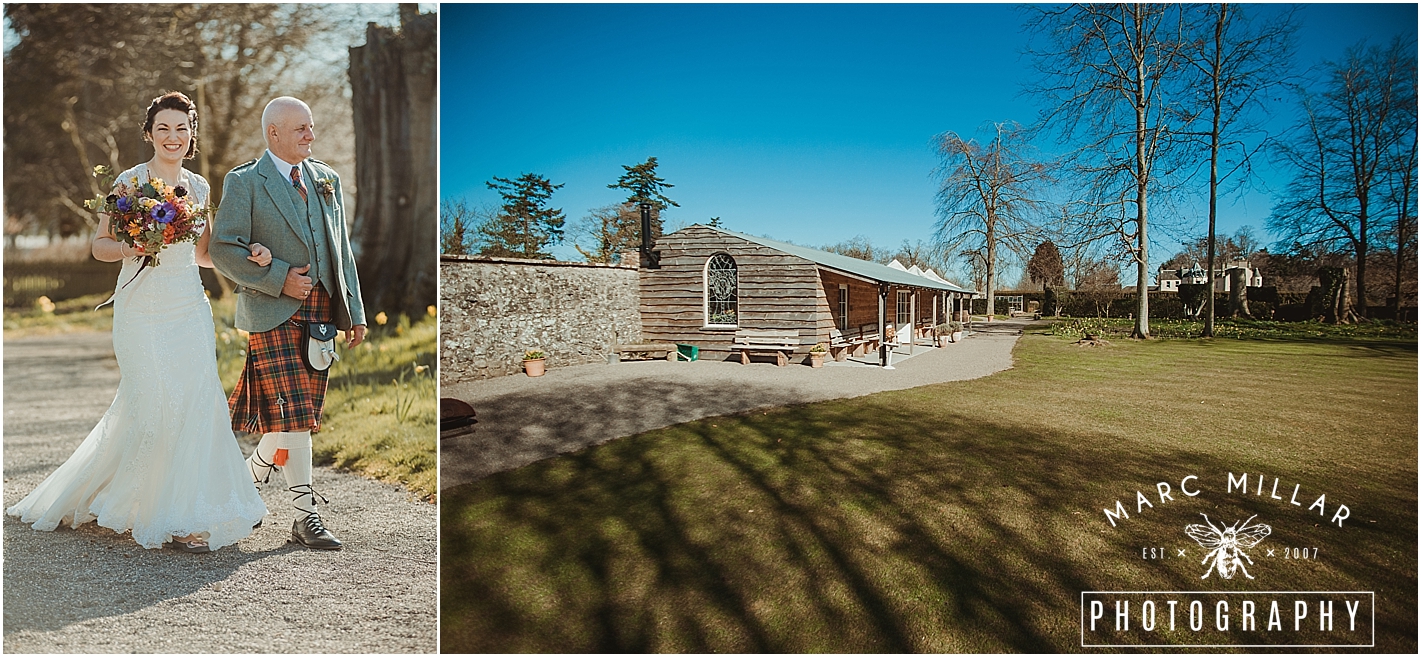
column 855, row 342
column 781, row 343
column 650, row 350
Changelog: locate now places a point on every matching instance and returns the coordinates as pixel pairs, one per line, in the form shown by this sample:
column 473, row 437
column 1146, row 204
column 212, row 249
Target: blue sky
column 810, row 123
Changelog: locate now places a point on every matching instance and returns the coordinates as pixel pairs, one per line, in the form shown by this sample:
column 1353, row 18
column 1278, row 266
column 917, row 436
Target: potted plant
column 956, row 329
column 534, row 362
column 817, row 354
column 944, row 333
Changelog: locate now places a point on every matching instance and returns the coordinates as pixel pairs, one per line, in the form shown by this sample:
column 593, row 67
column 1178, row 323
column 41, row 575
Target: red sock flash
column 279, row 458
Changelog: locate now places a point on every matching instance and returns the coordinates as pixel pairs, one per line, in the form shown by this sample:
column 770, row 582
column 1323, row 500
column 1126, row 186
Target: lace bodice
column 193, row 182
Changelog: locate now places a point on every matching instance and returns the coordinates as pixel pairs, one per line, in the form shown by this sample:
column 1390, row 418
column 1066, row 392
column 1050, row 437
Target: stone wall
column 491, row 310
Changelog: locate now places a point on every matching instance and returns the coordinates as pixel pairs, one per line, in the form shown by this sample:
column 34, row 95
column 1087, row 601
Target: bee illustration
column 1226, row 546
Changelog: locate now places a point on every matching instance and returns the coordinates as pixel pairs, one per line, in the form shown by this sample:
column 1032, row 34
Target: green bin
column 688, row 352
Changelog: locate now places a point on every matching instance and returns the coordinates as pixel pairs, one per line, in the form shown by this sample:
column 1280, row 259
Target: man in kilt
column 290, row 203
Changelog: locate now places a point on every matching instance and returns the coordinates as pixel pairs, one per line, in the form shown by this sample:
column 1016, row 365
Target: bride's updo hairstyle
column 173, row 100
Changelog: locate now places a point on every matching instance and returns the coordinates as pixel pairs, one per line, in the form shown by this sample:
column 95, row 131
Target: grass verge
column 961, row 517
column 1239, row 329
column 68, row 316
column 381, row 414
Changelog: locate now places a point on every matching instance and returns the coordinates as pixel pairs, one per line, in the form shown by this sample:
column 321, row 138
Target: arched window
column 721, row 286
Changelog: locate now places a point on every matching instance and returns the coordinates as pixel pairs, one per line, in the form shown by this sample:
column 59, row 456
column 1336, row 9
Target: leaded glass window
column 722, row 285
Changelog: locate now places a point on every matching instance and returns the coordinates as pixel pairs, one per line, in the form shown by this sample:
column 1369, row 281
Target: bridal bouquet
column 151, row 215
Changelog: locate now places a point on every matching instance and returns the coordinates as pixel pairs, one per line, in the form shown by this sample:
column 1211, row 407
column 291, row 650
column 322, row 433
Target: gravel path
column 523, row 419
column 91, row 590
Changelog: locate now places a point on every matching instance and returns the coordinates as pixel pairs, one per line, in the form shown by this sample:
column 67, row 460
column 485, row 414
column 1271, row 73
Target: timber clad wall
column 775, row 291
column 492, row 309
column 863, row 301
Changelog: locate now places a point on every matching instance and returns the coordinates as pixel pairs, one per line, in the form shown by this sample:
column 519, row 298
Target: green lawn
column 381, row 414
column 963, row 517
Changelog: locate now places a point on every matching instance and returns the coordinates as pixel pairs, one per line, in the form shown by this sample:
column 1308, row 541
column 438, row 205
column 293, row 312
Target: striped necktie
column 296, row 181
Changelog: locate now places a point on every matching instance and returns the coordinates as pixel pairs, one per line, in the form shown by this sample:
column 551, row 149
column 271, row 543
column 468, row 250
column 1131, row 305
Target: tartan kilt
column 276, row 390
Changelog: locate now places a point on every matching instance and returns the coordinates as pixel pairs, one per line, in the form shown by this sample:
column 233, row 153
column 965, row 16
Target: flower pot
column 535, row 367
column 816, row 359
column 944, row 340
column 957, row 336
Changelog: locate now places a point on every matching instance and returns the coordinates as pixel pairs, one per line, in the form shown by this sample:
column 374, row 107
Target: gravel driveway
column 90, row 590
column 523, row 419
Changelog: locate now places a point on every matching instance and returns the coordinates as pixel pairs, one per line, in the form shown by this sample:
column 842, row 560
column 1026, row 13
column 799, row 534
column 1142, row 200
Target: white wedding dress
column 162, row 462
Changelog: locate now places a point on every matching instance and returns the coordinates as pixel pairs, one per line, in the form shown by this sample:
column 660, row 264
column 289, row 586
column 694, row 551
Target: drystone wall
column 491, row 310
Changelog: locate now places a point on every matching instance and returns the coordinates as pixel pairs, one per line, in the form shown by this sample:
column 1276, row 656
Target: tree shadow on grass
column 860, row 527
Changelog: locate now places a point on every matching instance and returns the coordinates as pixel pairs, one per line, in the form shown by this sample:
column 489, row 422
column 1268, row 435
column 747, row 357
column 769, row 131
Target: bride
column 162, row 462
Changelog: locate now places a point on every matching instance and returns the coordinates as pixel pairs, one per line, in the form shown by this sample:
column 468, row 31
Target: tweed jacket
column 257, row 207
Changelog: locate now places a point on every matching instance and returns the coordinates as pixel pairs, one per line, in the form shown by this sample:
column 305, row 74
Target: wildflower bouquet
column 149, row 215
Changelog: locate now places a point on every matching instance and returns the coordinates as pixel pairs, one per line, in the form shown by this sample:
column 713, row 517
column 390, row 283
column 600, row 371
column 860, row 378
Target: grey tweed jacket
column 257, row 207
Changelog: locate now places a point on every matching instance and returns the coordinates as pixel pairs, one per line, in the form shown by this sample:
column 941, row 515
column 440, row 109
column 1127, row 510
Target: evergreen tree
column 1046, row 266
column 524, row 225
column 644, row 188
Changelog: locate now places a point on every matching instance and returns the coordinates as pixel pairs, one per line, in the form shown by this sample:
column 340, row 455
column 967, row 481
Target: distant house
column 1170, row 279
column 708, row 283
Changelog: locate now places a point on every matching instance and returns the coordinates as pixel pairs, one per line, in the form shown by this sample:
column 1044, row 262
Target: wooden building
column 708, row 284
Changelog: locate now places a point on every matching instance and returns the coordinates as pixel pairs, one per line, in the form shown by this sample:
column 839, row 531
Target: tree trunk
column 991, row 268
column 1361, row 306
column 393, row 91
column 1335, row 297
column 1403, row 214
column 1142, row 177
column 1216, row 105
column 1238, row 293
column 1401, row 238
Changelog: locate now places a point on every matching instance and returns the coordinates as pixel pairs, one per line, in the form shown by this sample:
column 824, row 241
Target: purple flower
column 124, row 204
column 164, row 213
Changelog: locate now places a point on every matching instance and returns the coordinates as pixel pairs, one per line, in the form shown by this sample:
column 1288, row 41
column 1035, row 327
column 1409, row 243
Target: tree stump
column 393, row 94
column 1092, row 340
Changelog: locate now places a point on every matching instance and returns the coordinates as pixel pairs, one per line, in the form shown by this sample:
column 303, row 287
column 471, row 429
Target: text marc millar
column 1190, row 487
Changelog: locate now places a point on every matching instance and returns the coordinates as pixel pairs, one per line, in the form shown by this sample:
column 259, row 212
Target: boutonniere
column 327, row 187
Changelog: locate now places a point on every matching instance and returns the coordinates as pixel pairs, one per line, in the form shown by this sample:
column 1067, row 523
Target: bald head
column 289, row 128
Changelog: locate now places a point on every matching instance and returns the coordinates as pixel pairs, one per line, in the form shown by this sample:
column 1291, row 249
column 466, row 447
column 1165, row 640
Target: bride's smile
column 172, row 142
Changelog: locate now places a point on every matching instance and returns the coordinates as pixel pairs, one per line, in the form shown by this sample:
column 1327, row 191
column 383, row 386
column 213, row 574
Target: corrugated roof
column 854, row 266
